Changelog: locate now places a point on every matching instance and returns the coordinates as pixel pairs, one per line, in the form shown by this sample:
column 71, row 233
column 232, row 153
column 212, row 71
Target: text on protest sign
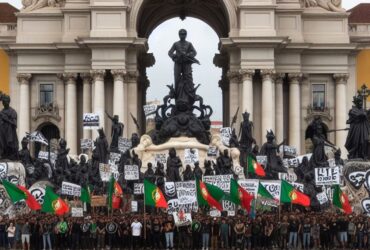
column 250, row 185
column 294, row 162
column 223, row 182
column 186, row 192
column 77, row 212
column 327, row 176
column 175, row 206
column 262, row 159
column 191, row 156
column 161, row 158
column 288, row 151
column 226, row 135
column 114, row 158
column 138, row 188
column 86, row 144
column 212, row 151
column 182, row 219
column 273, row 187
column 90, row 121
column 124, row 144
column 98, row 201
column 105, row 172
column 149, row 109
column 134, row 206
column 71, row 189
column 43, row 155
column 322, row 198
column 131, row 172
column 37, row 136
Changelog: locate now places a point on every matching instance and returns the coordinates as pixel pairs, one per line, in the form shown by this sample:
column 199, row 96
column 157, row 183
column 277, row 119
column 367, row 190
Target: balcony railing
column 323, row 112
column 47, row 110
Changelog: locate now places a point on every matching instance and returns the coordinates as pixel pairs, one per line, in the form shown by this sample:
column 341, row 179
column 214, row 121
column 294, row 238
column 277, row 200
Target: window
column 46, row 94
column 318, row 97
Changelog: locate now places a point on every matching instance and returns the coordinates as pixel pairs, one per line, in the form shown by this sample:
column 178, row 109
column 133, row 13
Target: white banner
column 3, row 170
column 131, row 172
column 114, row 158
column 124, row 144
column 273, row 187
column 134, row 206
column 86, row 144
column 191, row 156
column 37, row 136
column 161, row 158
column 182, row 219
column 105, row 172
column 327, row 176
column 294, row 162
column 138, row 188
column 186, row 192
column 214, row 213
column 262, row 159
column 226, row 135
column 322, row 198
column 212, row 151
column 288, row 151
column 90, row 121
column 43, row 155
column 71, row 189
column 149, row 109
column 77, row 212
column 250, row 185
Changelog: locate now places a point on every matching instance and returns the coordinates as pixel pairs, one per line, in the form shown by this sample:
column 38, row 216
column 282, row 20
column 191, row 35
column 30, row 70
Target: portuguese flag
column 290, row 195
column 254, row 167
column 262, row 191
column 240, row 196
column 18, row 193
column 114, row 194
column 53, row 203
column 209, row 195
column 341, row 201
column 85, row 195
column 153, row 195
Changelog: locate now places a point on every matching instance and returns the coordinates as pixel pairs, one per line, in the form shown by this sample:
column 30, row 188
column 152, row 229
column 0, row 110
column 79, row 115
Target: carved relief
column 31, row 5
column 330, row 5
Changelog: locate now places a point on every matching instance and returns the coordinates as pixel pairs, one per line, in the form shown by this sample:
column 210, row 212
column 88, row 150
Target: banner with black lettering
column 37, row 136
column 273, row 187
column 124, row 144
column 86, row 144
column 91, row 121
column 131, row 172
column 250, row 185
column 327, row 176
column 223, row 182
column 105, row 172
column 71, row 189
column 191, row 155
column 226, row 135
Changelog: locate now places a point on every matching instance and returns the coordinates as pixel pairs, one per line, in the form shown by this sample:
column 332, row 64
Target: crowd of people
column 293, row 230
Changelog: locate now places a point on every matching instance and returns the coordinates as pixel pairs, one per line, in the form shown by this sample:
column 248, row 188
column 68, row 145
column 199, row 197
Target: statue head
column 172, row 152
column 115, row 119
column 338, row 153
column 226, row 152
column 150, row 165
column 270, row 136
column 6, row 101
column 305, row 161
column 188, row 168
column 358, row 101
column 24, row 143
column 182, row 34
column 101, row 132
column 196, row 164
column 83, row 159
column 135, row 140
column 246, row 116
column 62, row 143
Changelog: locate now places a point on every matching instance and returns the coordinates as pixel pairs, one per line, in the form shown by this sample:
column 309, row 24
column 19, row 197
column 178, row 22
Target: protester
column 11, row 233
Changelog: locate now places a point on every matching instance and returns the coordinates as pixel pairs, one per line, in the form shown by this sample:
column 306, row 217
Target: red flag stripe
column 211, row 201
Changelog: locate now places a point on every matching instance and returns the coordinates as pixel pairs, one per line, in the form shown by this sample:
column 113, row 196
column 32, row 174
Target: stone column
column 119, row 94
column 279, row 109
column 24, row 105
column 247, row 94
column 234, row 81
column 267, row 102
column 70, row 117
column 99, row 94
column 340, row 111
column 87, row 102
column 132, row 106
column 295, row 111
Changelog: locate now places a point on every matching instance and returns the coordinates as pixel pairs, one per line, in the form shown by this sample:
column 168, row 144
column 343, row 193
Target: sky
column 205, row 41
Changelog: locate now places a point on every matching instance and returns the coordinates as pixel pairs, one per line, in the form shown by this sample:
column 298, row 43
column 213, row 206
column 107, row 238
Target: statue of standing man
column 117, row 131
column 8, row 130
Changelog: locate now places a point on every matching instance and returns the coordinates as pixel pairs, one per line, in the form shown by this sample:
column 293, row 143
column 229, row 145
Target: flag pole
column 144, row 218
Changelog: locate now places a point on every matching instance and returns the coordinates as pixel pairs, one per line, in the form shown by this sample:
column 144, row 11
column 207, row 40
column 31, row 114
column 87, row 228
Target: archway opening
column 52, row 134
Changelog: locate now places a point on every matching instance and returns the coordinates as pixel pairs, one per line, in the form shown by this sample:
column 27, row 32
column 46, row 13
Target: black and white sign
column 250, row 185
column 222, row 182
column 175, row 206
column 37, row 136
column 134, row 207
column 294, row 162
column 43, row 155
column 298, row 186
column 191, row 156
column 3, row 170
column 149, row 109
column 288, row 151
column 105, row 172
column 170, row 190
column 226, row 135
column 366, row 205
column 212, row 151
column 327, row 176
column 71, row 189
column 114, row 158
column 38, row 193
column 124, row 144
column 131, row 172
column 273, row 187
column 262, row 159
column 86, row 144
column 357, row 178
column 161, row 158
column 77, row 212
column 186, row 192
column 322, row 198
column 91, row 121
column 138, row 188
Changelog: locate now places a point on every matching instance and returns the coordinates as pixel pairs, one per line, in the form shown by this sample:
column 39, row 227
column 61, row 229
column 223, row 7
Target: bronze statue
column 8, row 130
column 224, row 163
column 246, row 138
column 188, row 174
column 173, row 166
column 101, row 147
column 357, row 142
column 149, row 173
column 117, row 131
column 24, row 153
column 197, row 172
column 62, row 159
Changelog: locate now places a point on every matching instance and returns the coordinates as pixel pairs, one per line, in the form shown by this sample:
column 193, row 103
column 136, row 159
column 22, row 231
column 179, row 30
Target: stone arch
column 223, row 17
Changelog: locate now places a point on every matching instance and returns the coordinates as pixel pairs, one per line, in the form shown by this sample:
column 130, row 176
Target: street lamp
column 364, row 92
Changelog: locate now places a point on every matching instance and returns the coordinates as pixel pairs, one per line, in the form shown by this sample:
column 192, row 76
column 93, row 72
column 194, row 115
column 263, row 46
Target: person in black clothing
column 75, row 233
column 156, row 233
column 215, row 234
column 85, row 234
column 196, row 233
column 324, row 235
column 125, row 234
column 206, row 232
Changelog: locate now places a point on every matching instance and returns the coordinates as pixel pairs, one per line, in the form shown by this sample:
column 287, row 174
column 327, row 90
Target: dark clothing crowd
column 294, row 230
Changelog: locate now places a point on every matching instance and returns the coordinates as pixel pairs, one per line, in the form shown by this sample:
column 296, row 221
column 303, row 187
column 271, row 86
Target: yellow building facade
column 4, row 72
column 363, row 68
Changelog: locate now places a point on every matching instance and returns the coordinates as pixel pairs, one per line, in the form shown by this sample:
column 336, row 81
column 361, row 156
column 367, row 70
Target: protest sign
column 90, row 121
column 43, row 155
column 138, row 188
column 182, row 219
column 327, row 176
column 86, row 144
column 298, row 186
column 262, row 159
column 170, row 190
column 98, row 201
column 214, row 213
column 161, row 158
column 250, row 185
column 124, row 144
column 37, row 136
column 273, row 187
column 3, row 170
column 114, row 158
column 191, row 156
column 223, row 182
column 212, row 151
column 288, row 151
column 131, row 172
column 294, row 162
column 77, row 212
column 105, row 172
column 149, row 109
column 71, row 189
column 322, row 198
column 114, row 171
column 226, row 135
column 134, row 206
column 186, row 192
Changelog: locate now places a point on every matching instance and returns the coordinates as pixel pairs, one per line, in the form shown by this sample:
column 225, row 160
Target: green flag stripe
column 15, row 194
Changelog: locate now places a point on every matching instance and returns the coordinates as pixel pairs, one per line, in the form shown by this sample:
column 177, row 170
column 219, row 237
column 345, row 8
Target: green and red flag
column 240, row 196
column 262, row 191
column 85, row 195
column 153, row 195
column 209, row 195
column 18, row 193
column 255, row 167
column 341, row 201
column 53, row 203
column 291, row 195
column 114, row 194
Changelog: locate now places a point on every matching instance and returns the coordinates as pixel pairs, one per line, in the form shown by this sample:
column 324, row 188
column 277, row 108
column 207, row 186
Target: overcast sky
column 205, row 41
